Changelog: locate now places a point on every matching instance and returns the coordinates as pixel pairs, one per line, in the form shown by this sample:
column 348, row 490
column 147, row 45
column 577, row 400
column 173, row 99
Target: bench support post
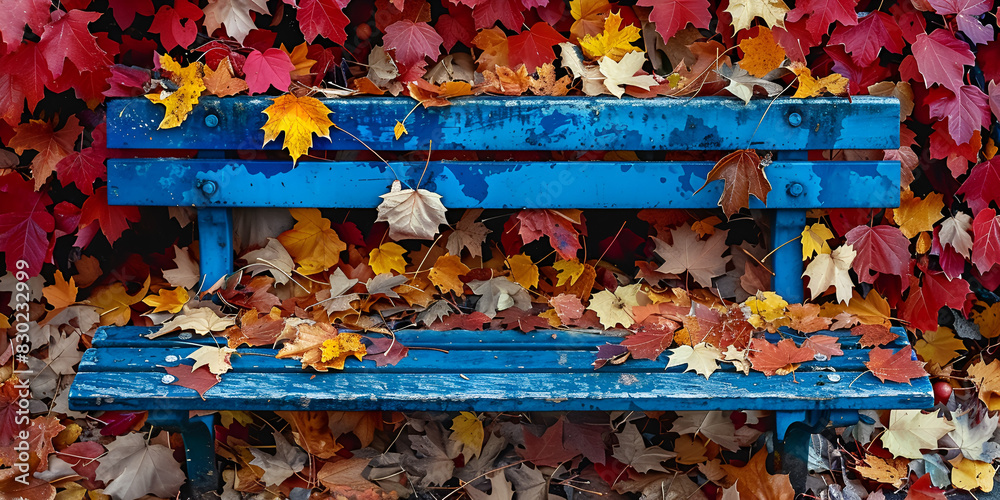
column 199, row 449
column 215, row 239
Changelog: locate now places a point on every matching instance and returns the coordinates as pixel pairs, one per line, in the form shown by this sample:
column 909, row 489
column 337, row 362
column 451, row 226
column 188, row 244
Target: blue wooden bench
column 496, row 370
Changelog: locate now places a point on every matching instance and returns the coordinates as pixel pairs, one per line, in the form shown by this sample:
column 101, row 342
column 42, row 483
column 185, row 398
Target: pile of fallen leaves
column 691, row 285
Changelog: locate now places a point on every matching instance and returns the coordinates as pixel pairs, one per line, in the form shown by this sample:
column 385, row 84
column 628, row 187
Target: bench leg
column 794, row 432
column 199, row 449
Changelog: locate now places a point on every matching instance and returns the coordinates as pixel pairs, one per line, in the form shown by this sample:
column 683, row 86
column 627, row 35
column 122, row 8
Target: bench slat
column 868, row 184
column 526, row 360
column 533, row 123
column 499, row 392
column 452, row 340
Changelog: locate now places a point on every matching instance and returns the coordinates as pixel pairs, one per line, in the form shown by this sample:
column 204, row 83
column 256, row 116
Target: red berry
column 942, row 391
column 364, row 31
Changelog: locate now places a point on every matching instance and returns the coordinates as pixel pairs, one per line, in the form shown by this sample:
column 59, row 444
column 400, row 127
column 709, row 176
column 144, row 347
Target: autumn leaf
column 897, row 367
column 61, row 294
column 312, row 243
column 744, row 11
column 588, row 17
column 874, row 335
column 702, row 358
column 614, row 42
column 168, row 300
column 52, row 145
column 671, row 16
column 411, row 213
column 810, row 86
column 781, row 358
column 265, row 69
column 910, row 431
column 221, row 81
column 615, row 308
column 761, row 54
column 617, row 74
column 445, row 273
column 569, row 271
column 632, row 451
column 533, row 47
column 754, row 481
column 558, row 225
column 200, row 320
column 299, row 118
column 523, row 271
column 814, row 240
column 132, row 468
column 387, row 257
column 939, row 346
column 182, row 101
column 468, row 430
column 889, row 471
column 321, row 347
column 216, row 359
column 702, row 259
column 114, row 303
column 743, row 175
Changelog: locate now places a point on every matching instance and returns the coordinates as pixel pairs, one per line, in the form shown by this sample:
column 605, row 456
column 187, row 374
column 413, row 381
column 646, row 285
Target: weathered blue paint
column 491, row 184
column 532, row 123
column 787, row 226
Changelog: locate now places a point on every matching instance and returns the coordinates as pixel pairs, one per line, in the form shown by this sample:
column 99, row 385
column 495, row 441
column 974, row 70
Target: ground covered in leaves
column 690, row 284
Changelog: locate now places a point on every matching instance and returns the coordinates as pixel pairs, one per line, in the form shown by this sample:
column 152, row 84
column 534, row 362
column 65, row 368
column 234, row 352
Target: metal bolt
column 833, row 377
column 168, row 379
column 211, row 120
column 796, row 189
column 794, row 119
column 209, row 187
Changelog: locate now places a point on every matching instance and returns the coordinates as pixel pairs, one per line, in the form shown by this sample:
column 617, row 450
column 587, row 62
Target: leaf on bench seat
column 898, row 367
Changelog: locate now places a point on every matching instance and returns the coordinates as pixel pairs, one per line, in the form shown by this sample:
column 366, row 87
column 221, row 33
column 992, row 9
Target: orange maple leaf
column 311, row 242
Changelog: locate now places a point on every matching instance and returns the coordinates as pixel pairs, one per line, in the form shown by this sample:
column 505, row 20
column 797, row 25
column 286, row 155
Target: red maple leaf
column 82, row 168
column 82, row 457
column 988, row 59
column 413, row 41
column 547, row 450
column 25, row 223
column 796, row 39
column 941, row 58
column 29, row 71
column 201, row 380
column 882, row 249
column 322, row 18
column 456, row 26
column 68, row 38
column 864, row 40
column 966, row 110
column 986, row 244
column 966, row 13
column 264, row 69
column 177, row 25
column 125, row 10
column 935, row 291
column 651, row 339
column 533, row 47
column 557, row 225
column 51, row 145
column 899, row 367
column 385, row 351
column 508, row 12
column 820, row 13
column 113, row 220
column 983, row 185
column 874, row 335
column 672, row 16
column 824, row 344
column 11, row 97
column 17, row 13
column 780, row 358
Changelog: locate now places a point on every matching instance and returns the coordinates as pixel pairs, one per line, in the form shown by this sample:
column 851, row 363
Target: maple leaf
column 743, row 175
column 312, row 243
column 753, row 480
column 939, row 346
column 742, row 85
column 613, row 42
column 411, row 213
column 814, row 240
column 616, row 308
column 508, row 12
column 781, row 358
column 889, row 471
column 916, row 215
column 986, row 246
column 533, row 47
column 263, row 70
column 883, row 249
column 940, row 58
column 322, row 347
column 870, row 35
column 52, row 145
column 936, row 290
column 546, row 450
column 182, row 101
column 25, row 223
column 986, row 378
column 715, row 425
column 702, row 358
column 631, row 450
column 910, row 431
column 744, row 11
column 546, row 83
column 286, row 461
column 973, row 435
column 588, row 17
column 874, row 335
column 200, row 320
column 221, row 82
column 810, row 86
column 468, row 430
column 113, row 220
column 558, row 225
column 469, row 234
column 819, row 14
column 234, row 15
column 17, row 14
column 445, row 273
column 501, row 489
column 322, row 18
column 387, row 257
column 133, row 468
column 649, row 341
column 186, row 273
column 167, row 300
column 413, row 41
column 619, row 73
column 761, row 53
column 982, row 186
column 298, row 118
column 177, row 24
column 216, row 359
column 114, row 303
column 61, row 293
column 966, row 13
column 672, row 16
column 824, row 344
column 701, row 259
column 897, row 367
column 67, row 37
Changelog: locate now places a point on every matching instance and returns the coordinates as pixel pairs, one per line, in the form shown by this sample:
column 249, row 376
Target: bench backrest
column 789, row 127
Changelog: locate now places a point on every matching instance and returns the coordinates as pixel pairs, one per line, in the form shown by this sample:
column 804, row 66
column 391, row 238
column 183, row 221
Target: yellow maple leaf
column 569, row 271
column 765, row 307
column 387, row 257
column 744, row 11
column 809, row 86
column 523, row 271
column 311, row 242
column 446, row 271
column 616, row 308
column 114, row 304
column 916, row 215
column 168, row 300
column 988, row 318
column 321, row 346
column 61, row 293
column 705, row 227
column 939, row 346
column 182, row 101
column 221, row 82
column 986, row 378
column 215, row 358
column 299, row 56
column 614, row 42
column 814, row 240
column 971, row 474
column 468, row 431
column 761, row 54
column 873, row 309
column 588, row 16
column 299, row 118
column 889, row 471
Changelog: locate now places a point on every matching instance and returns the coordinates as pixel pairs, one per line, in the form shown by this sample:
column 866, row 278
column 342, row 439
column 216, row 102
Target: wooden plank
column 526, row 360
column 533, row 123
column 492, row 392
column 229, row 183
column 133, row 336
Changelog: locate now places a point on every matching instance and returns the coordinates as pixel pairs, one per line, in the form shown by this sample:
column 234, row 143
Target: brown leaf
column 221, row 81
column 753, row 480
column 891, row 471
column 743, row 175
column 873, row 335
column 311, row 430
